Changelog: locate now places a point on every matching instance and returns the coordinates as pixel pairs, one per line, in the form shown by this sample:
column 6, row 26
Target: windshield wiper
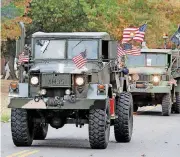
column 78, row 44
column 45, row 45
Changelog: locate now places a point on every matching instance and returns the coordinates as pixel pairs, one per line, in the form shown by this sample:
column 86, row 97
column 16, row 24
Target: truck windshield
column 75, row 47
column 52, row 49
column 147, row 59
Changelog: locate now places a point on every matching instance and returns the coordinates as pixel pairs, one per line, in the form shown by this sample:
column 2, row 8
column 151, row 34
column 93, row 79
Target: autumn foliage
column 13, row 11
column 112, row 16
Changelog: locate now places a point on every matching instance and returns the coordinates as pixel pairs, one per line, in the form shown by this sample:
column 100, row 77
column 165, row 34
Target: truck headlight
column 79, row 81
column 135, row 77
column 34, row 80
column 156, row 79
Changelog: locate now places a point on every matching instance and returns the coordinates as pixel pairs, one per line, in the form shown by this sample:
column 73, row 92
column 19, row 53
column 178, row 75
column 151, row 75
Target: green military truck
column 151, row 80
column 176, row 75
column 54, row 91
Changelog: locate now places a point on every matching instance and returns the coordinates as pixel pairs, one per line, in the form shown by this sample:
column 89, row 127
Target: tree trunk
column 11, row 67
column 11, row 53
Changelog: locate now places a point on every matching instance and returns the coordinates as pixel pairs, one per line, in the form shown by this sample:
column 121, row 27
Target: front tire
column 99, row 128
column 166, row 105
column 21, row 127
column 40, row 131
column 123, row 125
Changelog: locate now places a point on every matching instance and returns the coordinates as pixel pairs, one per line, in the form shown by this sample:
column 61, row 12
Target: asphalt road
column 153, row 136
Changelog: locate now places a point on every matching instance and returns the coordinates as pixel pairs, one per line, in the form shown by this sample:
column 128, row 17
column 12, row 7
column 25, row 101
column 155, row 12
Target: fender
column 22, row 92
column 93, row 92
column 101, row 101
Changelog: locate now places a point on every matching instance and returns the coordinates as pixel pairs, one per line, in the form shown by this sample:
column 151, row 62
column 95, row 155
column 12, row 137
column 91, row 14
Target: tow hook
column 59, row 101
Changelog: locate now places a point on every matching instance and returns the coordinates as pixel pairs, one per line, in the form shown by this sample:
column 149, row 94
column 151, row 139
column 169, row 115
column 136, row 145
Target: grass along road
column 5, row 112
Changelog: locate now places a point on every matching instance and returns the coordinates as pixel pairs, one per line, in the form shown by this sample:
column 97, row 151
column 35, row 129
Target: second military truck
column 151, row 80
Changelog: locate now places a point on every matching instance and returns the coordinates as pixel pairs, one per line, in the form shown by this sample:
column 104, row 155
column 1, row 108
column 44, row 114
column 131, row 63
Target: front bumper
column 93, row 100
column 150, row 89
column 30, row 103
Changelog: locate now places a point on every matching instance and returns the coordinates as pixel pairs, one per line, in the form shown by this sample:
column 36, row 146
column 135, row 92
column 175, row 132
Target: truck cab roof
column 157, row 50
column 73, row 35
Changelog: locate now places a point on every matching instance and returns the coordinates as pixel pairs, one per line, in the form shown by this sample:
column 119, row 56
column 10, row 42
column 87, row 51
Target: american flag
column 120, row 51
column 131, row 49
column 176, row 37
column 128, row 34
column 134, row 33
column 23, row 58
column 139, row 34
column 80, row 60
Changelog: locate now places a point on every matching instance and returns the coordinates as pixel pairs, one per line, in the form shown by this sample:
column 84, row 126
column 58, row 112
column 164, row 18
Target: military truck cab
column 151, row 80
column 69, row 82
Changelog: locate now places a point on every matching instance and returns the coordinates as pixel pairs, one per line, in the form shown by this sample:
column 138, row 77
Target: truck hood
column 62, row 67
column 147, row 70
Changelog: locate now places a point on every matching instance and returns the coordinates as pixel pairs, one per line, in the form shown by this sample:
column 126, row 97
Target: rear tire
column 166, row 105
column 99, row 128
column 123, row 125
column 177, row 104
column 40, row 131
column 21, row 127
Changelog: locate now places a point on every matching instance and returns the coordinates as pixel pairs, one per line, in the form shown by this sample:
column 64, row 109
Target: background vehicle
column 176, row 75
column 151, row 79
column 56, row 92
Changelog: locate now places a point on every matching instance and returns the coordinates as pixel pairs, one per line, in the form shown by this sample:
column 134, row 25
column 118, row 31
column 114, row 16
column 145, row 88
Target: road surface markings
column 18, row 153
column 23, row 153
column 29, row 153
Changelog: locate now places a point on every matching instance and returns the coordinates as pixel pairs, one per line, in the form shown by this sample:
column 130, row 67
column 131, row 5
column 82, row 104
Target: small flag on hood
column 23, row 58
column 80, row 60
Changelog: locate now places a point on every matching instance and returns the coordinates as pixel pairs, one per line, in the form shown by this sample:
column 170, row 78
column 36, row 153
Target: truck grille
column 144, row 77
column 56, row 80
column 52, row 92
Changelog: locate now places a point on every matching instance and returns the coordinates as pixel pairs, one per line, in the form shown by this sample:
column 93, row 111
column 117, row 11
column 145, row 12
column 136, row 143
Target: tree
column 57, row 16
column 110, row 16
column 13, row 11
